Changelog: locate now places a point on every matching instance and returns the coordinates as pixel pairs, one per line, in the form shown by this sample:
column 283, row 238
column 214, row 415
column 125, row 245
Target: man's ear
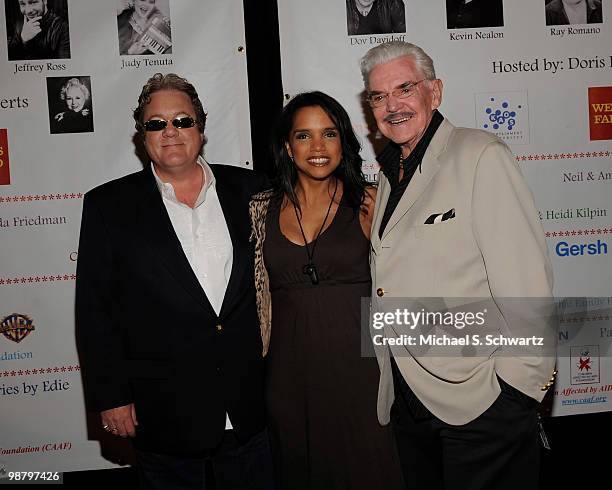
column 436, row 93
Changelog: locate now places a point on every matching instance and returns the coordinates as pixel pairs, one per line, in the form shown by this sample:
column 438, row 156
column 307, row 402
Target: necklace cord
column 310, row 253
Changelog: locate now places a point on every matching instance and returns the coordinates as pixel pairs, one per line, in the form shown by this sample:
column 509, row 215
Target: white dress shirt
column 204, row 237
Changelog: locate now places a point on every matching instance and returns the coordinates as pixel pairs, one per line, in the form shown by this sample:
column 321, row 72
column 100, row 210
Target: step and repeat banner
column 70, row 75
column 538, row 77
column 71, row 72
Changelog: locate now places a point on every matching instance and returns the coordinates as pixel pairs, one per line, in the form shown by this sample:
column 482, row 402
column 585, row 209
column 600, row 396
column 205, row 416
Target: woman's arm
column 367, row 211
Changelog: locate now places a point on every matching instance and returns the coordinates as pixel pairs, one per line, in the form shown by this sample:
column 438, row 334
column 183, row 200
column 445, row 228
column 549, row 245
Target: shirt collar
column 391, row 157
column 166, row 189
column 571, row 5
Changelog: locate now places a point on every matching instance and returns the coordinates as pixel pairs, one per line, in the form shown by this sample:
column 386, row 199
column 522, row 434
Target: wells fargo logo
column 16, row 327
column 600, row 113
column 5, row 175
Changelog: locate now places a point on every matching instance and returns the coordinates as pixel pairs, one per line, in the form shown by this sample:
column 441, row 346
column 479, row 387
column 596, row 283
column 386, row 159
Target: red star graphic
column 584, row 364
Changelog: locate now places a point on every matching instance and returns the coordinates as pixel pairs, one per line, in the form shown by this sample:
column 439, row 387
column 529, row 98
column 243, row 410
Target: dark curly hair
column 170, row 81
column 348, row 172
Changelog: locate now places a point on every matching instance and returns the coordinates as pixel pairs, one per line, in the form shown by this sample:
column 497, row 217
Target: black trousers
column 499, row 450
column 235, row 467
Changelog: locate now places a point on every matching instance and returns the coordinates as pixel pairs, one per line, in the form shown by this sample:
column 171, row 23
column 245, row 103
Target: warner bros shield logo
column 16, row 327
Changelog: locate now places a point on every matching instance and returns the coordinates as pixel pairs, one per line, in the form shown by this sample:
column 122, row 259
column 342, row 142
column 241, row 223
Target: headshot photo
column 37, row 29
column 563, row 12
column 70, row 107
column 375, row 17
column 144, row 27
column 469, row 14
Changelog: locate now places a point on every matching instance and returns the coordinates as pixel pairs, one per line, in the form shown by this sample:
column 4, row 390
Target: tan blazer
column 493, row 248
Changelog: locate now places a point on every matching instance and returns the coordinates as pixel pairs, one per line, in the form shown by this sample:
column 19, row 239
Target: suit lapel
column 161, row 237
column 422, row 177
column 230, row 205
column 382, row 196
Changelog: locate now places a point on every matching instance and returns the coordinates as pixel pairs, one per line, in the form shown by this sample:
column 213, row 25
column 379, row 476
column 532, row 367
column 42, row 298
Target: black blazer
column 556, row 15
column 146, row 331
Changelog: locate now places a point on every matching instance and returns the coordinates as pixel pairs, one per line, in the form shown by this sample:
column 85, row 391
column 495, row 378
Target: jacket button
column 219, row 328
column 380, row 292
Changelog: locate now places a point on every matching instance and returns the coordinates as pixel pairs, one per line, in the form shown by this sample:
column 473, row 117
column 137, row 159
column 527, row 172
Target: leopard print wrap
column 258, row 210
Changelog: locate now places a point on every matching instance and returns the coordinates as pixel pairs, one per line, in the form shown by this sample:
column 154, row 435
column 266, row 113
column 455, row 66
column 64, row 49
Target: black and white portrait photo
column 375, row 17
column 37, row 29
column 144, row 27
column 70, row 107
column 470, row 14
column 563, row 12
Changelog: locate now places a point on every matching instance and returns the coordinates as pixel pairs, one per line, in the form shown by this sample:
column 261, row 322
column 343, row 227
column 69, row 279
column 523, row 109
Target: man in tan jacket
column 456, row 226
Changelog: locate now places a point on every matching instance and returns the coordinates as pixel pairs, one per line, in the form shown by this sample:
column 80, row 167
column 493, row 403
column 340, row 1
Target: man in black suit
column 165, row 305
column 375, row 16
column 470, row 14
column 563, row 12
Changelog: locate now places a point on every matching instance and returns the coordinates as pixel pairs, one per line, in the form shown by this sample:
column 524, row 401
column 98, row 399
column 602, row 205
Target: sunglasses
column 159, row 124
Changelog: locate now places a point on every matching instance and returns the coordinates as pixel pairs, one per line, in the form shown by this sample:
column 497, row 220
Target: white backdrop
column 43, row 175
column 543, row 75
column 42, row 426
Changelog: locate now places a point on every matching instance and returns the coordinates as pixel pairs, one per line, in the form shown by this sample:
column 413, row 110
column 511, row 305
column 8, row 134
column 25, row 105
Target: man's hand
column 31, row 29
column 138, row 48
column 120, row 421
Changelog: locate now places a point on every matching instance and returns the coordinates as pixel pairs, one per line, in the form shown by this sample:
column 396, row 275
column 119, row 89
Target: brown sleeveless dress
column 320, row 393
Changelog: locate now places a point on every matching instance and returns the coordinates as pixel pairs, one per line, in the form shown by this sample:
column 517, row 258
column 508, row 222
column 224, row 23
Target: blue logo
column 501, row 116
column 564, row 249
column 505, row 114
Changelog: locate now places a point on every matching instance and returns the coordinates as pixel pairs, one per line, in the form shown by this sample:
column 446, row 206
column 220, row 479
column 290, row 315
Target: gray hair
column 383, row 53
column 74, row 83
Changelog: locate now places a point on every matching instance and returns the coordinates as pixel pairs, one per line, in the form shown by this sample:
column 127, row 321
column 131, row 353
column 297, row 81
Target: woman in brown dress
column 312, row 247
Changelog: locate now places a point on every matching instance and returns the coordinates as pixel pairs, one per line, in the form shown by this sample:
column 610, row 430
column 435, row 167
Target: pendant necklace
column 310, row 269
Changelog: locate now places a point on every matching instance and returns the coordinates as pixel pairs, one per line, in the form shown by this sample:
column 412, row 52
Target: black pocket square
column 439, row 217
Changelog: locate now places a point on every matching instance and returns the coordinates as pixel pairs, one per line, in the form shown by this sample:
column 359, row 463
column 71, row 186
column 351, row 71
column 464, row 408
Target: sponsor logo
column 584, row 364
column 5, row 174
column 16, row 327
column 505, row 114
column 564, row 249
column 600, row 113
